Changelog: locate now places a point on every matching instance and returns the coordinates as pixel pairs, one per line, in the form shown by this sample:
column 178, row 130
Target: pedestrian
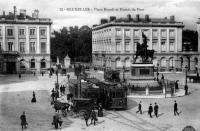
column 60, row 121
column 34, row 98
column 100, row 110
column 175, row 109
column 23, row 121
column 53, row 95
column 162, row 78
column 34, row 73
column 150, row 110
column 20, row 76
column 55, row 121
column 93, row 116
column 176, row 84
column 139, row 108
column 61, row 89
column 68, row 76
column 186, row 89
column 42, row 73
column 57, row 94
column 64, row 89
column 156, row 110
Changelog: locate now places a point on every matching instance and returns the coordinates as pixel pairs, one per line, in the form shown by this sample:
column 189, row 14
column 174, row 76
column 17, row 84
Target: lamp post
column 186, row 86
column 57, row 82
column 124, row 73
column 157, row 71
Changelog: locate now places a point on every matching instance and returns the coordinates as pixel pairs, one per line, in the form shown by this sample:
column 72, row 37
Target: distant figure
column 68, row 76
column 60, row 121
column 63, row 89
column 162, row 78
column 42, row 73
column 150, row 110
column 139, row 108
column 34, row 73
column 156, row 110
column 175, row 109
column 34, row 98
column 100, row 110
column 20, row 76
column 23, row 121
column 186, row 89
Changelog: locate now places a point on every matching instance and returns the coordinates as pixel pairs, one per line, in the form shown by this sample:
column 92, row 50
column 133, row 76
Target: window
column 163, row 62
column 155, row 45
column 43, row 32
column 136, row 33
column 171, row 62
column 32, row 63
column 22, row 47
column 118, row 32
column 163, row 45
column 32, row 47
column 171, row 45
column 21, row 32
column 127, row 33
column 127, row 46
column 163, row 33
column 22, row 64
column 118, row 63
column 155, row 33
column 10, row 46
column 32, row 32
column 118, row 46
column 43, row 47
column 127, row 62
column 43, row 63
column 10, row 32
column 0, row 32
column 171, row 34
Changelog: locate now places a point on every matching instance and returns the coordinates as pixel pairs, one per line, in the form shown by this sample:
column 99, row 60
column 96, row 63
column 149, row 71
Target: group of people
column 54, row 95
column 62, row 89
column 155, row 109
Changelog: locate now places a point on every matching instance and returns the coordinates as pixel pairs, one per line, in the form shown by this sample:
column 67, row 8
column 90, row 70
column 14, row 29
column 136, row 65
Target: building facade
column 114, row 42
column 24, row 42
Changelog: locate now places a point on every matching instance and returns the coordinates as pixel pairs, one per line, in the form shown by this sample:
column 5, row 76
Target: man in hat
column 156, row 110
column 175, row 109
column 23, row 121
column 150, row 110
column 139, row 108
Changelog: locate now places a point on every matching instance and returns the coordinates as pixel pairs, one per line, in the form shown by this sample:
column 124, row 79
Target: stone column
column 147, row 90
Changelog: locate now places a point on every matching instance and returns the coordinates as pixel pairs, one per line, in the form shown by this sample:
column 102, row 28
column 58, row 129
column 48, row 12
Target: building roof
column 139, row 22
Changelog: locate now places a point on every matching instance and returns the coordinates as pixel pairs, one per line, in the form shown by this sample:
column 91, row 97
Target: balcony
column 10, row 53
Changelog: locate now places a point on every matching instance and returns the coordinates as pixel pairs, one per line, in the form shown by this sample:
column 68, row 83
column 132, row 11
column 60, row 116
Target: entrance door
column 11, row 67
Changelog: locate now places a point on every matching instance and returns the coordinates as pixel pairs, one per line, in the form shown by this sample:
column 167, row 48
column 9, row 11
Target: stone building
column 24, row 42
column 114, row 43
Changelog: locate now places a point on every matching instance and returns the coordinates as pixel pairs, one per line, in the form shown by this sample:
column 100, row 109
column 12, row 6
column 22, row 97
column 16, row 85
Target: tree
column 74, row 42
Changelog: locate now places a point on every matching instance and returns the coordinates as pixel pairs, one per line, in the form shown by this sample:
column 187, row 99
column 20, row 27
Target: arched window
column 43, row 63
column 118, row 63
column 32, row 63
column 127, row 62
column 196, row 61
column 163, row 62
column 22, row 64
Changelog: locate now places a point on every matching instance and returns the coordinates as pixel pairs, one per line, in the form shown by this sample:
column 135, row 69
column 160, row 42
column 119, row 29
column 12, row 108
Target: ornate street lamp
column 157, row 71
column 57, row 82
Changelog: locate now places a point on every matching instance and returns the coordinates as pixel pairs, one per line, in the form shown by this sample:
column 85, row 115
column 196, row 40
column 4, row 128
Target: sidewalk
column 179, row 93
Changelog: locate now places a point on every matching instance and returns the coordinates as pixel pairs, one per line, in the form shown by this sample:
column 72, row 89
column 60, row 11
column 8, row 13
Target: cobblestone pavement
column 15, row 96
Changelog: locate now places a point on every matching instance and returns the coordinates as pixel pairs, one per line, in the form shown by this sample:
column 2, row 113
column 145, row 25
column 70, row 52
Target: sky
column 64, row 13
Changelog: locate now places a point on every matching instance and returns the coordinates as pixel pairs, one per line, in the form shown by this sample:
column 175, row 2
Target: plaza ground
column 16, row 94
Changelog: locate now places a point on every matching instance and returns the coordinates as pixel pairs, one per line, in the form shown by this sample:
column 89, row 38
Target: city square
column 99, row 66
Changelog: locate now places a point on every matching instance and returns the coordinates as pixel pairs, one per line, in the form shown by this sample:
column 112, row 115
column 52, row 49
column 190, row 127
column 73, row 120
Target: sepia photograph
column 99, row 65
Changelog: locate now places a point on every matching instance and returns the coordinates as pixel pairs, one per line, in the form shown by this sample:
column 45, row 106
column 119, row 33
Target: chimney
column 147, row 18
column 129, row 17
column 137, row 17
column 36, row 12
column 15, row 11
column 112, row 18
column 22, row 13
column 103, row 21
column 172, row 18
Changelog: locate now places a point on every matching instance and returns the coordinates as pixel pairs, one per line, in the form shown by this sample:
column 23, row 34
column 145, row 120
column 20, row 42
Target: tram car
column 111, row 95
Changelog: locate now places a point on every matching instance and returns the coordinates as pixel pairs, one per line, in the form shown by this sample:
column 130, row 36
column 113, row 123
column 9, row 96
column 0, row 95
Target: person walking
column 186, row 89
column 150, row 110
column 156, row 110
column 162, row 78
column 100, row 110
column 23, row 121
column 139, row 108
column 20, row 76
column 93, row 116
column 53, row 95
column 175, row 109
column 55, row 120
column 60, row 121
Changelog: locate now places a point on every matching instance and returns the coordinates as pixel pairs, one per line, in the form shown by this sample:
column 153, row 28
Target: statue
column 143, row 52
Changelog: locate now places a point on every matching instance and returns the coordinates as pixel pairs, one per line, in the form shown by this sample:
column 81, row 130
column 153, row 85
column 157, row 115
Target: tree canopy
column 74, row 42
